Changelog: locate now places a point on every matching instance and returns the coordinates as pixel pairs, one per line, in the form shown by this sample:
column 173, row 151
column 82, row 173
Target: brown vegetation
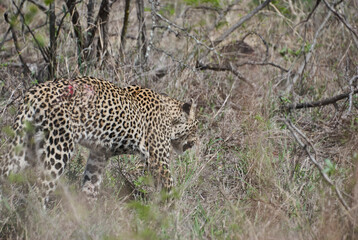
column 275, row 83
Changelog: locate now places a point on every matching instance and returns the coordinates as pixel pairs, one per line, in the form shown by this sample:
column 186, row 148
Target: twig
column 350, row 28
column 262, row 64
column 294, row 130
column 262, row 39
column 10, row 100
column 223, row 105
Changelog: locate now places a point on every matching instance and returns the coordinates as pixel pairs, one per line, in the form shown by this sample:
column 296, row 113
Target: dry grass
column 247, row 178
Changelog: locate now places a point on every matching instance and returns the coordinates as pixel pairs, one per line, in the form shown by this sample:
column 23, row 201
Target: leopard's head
column 185, row 137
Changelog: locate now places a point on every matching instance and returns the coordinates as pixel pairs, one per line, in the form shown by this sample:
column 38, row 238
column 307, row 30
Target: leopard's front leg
column 158, row 163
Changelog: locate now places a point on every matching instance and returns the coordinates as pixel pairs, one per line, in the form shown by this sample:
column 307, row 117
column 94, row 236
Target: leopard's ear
column 190, row 108
column 186, row 108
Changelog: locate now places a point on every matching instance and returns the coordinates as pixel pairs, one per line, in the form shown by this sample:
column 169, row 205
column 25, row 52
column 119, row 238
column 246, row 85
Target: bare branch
column 42, row 50
column 39, row 5
column 294, row 130
column 264, row 61
column 240, row 22
column 313, row 10
column 263, row 64
column 218, row 68
column 16, row 44
column 309, row 54
column 223, row 14
column 323, row 102
column 350, row 28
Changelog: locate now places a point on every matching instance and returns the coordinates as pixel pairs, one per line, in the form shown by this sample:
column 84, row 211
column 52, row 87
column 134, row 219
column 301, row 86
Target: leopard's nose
column 187, row 146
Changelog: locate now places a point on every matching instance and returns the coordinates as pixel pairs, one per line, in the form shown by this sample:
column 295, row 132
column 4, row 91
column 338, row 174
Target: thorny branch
column 301, row 139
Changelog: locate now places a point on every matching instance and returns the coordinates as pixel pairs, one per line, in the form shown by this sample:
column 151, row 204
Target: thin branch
column 223, row 14
column 240, row 22
column 323, row 102
column 5, row 37
column 218, row 68
column 223, row 105
column 309, row 54
column 16, row 44
column 350, row 28
column 90, row 13
column 313, row 10
column 39, row 5
column 264, row 61
column 294, row 130
column 43, row 53
column 262, row 64
column 9, row 29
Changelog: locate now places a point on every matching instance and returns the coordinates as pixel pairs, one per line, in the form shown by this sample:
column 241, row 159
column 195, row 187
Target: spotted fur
column 57, row 115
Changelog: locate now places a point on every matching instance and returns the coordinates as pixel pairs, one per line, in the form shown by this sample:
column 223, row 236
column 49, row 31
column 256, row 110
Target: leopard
column 57, row 116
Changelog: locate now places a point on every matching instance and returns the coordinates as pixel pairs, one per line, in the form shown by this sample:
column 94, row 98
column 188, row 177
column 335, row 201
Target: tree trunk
column 141, row 42
column 53, row 47
column 124, row 28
